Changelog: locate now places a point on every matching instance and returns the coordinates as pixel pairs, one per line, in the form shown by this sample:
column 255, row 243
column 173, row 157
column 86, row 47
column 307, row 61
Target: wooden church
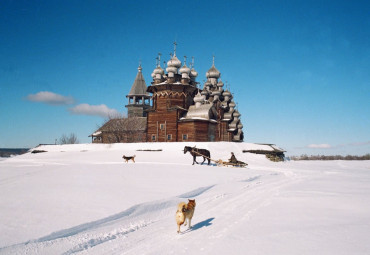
column 174, row 109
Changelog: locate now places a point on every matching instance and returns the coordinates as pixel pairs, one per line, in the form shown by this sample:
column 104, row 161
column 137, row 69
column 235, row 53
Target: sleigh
column 232, row 164
column 220, row 162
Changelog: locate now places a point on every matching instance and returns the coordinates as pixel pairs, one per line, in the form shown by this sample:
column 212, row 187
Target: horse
column 198, row 153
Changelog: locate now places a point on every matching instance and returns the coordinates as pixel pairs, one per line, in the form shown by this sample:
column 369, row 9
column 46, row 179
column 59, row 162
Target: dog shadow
column 205, row 223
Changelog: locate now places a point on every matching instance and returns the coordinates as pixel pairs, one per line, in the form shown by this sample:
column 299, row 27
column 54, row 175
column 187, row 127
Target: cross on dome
column 159, row 59
column 174, row 48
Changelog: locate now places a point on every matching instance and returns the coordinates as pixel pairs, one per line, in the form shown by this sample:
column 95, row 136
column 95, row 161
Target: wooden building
column 175, row 109
column 122, row 130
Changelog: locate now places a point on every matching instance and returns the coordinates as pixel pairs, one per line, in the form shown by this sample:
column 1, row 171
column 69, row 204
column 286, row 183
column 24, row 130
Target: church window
column 184, row 137
column 153, row 138
column 169, row 137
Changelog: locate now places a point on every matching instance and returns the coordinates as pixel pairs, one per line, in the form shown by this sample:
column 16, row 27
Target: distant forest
column 336, row 157
column 5, row 153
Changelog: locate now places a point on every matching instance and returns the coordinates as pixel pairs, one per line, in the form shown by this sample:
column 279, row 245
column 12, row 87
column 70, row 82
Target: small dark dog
column 129, row 158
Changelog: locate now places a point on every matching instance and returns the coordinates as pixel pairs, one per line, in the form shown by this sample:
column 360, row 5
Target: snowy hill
column 85, row 199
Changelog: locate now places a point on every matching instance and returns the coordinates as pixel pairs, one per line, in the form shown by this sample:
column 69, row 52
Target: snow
column 85, row 199
column 97, row 133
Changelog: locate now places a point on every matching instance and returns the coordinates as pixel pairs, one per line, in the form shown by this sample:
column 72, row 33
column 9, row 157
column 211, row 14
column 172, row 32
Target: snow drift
column 84, row 199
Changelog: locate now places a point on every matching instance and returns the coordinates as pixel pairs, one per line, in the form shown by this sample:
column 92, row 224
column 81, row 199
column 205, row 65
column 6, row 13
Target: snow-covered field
column 84, row 199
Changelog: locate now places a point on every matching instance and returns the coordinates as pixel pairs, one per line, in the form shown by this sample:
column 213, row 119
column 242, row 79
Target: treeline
column 335, row 157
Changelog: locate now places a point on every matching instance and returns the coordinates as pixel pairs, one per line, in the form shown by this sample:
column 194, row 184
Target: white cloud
column 94, row 110
column 50, row 98
column 319, row 146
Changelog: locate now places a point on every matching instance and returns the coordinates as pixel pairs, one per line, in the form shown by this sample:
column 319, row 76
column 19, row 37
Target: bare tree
column 71, row 139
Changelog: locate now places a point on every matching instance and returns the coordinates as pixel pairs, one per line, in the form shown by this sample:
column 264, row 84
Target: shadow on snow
column 199, row 225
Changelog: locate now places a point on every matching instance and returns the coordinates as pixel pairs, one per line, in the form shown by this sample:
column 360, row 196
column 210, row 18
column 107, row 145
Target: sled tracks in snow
column 88, row 235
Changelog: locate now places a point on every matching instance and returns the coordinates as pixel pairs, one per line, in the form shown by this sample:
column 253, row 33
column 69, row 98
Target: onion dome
column 226, row 93
column 220, row 84
column 232, row 104
column 193, row 73
column 153, row 74
column 204, row 93
column 158, row 70
column 174, row 62
column 233, row 124
column 213, row 72
column 198, row 98
column 208, row 84
column 184, row 69
column 171, row 69
column 237, row 114
column 216, row 93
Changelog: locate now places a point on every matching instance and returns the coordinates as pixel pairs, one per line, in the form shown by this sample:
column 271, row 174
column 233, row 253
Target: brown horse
column 198, row 153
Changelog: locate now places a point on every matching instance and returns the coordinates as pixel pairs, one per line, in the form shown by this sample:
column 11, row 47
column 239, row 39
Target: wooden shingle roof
column 139, row 86
column 124, row 124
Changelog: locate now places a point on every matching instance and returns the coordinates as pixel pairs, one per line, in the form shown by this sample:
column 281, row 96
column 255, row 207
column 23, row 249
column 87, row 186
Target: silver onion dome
column 208, row 84
column 174, row 62
column 232, row 104
column 220, row 84
column 198, row 98
column 237, row 114
column 158, row 70
column 193, row 73
column 213, row 73
column 184, row 69
column 216, row 93
column 204, row 93
column 171, row 69
column 226, row 93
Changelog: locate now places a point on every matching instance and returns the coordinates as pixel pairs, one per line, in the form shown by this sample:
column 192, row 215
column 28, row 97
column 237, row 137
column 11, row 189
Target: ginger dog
column 185, row 212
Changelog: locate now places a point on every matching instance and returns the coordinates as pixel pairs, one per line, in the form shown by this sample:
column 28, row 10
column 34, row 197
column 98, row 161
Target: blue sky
column 299, row 70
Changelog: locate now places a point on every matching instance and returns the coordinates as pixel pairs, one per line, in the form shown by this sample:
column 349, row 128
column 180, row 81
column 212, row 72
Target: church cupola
column 204, row 94
column 173, row 64
column 158, row 72
column 198, row 100
column 193, row 74
column 227, row 95
column 216, row 95
column 220, row 84
column 213, row 73
column 185, row 71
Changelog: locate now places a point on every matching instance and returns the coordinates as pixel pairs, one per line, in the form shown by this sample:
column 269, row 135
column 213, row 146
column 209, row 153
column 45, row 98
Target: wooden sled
column 232, row 164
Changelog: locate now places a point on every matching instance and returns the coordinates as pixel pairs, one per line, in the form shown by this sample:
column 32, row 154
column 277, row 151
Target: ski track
column 157, row 219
